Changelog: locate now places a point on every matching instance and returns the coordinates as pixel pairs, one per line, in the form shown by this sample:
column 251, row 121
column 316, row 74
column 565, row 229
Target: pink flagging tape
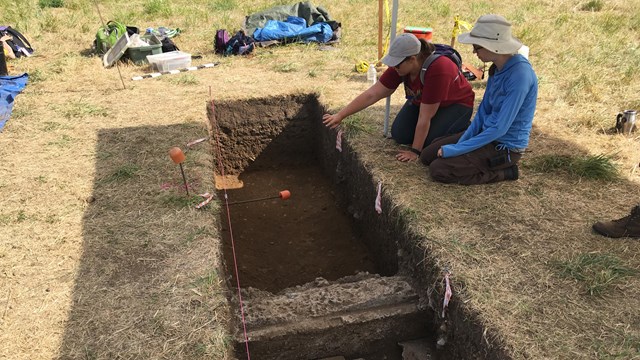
column 198, row 141
column 339, row 140
column 207, row 199
column 379, row 198
column 447, row 293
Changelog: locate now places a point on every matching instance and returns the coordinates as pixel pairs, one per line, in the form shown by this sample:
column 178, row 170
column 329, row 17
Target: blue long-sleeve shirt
column 506, row 112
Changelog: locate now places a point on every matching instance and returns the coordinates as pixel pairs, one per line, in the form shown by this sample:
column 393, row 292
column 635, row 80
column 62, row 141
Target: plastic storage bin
column 139, row 54
column 420, row 32
column 168, row 61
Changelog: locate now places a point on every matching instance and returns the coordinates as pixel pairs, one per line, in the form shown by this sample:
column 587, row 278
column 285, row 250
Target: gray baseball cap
column 403, row 45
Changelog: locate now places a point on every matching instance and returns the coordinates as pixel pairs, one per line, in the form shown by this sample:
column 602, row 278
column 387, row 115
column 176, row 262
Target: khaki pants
column 481, row 166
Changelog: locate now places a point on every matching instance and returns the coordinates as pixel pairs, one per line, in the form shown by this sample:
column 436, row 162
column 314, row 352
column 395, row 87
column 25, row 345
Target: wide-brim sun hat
column 403, row 45
column 492, row 32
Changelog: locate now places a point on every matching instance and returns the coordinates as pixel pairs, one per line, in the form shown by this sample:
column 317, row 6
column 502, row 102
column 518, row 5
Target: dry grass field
column 103, row 256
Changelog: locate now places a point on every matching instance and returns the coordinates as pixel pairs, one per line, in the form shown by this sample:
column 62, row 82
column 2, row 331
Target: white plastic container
column 168, row 61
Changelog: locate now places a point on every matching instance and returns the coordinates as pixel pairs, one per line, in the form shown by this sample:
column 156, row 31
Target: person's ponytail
column 426, row 48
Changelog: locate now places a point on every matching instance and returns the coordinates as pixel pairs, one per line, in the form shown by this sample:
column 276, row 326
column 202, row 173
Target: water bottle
column 371, row 74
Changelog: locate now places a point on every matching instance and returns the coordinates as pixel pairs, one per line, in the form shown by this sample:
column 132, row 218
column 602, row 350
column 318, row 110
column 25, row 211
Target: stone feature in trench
column 320, row 273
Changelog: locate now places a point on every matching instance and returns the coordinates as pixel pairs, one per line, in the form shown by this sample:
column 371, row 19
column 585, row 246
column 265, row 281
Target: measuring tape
column 191, row 68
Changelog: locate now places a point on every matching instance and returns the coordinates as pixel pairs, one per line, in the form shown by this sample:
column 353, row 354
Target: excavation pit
column 319, row 272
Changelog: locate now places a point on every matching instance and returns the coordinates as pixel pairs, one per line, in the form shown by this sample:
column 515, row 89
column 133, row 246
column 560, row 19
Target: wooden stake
column 379, row 31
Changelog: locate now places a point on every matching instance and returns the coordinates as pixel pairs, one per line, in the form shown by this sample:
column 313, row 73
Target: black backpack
column 19, row 44
column 442, row 50
column 168, row 45
column 240, row 44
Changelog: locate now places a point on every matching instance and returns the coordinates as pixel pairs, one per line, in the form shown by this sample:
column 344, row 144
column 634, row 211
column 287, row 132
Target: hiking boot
column 511, row 173
column 628, row 226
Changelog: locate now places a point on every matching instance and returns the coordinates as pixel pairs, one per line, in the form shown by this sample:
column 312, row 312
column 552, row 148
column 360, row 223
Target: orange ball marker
column 178, row 157
column 285, row 194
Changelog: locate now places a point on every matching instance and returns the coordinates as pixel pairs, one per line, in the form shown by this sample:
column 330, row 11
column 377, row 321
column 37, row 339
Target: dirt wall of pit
column 249, row 128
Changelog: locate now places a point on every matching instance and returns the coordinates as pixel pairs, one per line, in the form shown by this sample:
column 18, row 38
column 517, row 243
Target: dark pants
column 448, row 120
column 3, row 63
column 481, row 166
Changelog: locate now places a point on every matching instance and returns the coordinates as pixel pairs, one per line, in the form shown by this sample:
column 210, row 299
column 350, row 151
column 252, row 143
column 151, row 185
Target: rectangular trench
column 320, row 273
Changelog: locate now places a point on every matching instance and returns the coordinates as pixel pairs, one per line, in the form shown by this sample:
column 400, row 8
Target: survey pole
column 394, row 21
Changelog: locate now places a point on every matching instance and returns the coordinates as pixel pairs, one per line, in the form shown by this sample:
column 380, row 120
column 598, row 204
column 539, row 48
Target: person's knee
column 428, row 155
column 401, row 135
column 439, row 171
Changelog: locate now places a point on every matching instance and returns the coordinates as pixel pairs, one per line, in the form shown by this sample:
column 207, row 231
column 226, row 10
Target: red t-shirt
column 443, row 83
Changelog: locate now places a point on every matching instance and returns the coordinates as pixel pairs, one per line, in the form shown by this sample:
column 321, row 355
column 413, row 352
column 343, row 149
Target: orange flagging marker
column 177, row 156
column 285, row 194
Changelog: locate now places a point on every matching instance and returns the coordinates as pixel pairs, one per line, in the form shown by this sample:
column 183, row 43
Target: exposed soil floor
column 283, row 243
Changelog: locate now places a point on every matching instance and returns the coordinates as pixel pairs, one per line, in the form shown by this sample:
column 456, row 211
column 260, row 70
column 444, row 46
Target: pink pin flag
column 447, row 293
column 378, row 204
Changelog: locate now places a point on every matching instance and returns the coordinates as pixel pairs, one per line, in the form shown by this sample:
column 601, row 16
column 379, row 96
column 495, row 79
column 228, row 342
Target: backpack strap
column 425, row 65
column 19, row 36
column 454, row 56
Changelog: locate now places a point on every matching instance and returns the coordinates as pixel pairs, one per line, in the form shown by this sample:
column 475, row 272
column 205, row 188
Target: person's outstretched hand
column 331, row 121
column 406, row 156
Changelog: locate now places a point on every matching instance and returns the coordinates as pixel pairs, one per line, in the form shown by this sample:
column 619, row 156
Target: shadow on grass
column 147, row 283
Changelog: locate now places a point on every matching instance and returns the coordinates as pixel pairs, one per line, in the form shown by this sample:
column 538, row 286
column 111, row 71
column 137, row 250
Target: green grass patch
column 579, row 88
column 207, row 280
column 597, row 167
column 592, row 5
column 22, row 216
column 36, row 75
column 81, row 109
column 593, row 167
column 186, row 79
column 123, row 173
column 51, row 126
column 611, row 24
column 222, row 5
column 181, row 200
column 356, row 124
column 596, row 272
column 627, row 346
column 64, row 141
column 157, row 8
column 286, row 67
column 50, row 3
column 52, row 23
column 198, row 232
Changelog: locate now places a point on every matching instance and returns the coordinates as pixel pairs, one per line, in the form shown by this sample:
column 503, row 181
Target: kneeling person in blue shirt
column 489, row 150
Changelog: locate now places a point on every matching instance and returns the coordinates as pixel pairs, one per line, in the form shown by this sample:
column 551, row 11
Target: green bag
column 108, row 35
